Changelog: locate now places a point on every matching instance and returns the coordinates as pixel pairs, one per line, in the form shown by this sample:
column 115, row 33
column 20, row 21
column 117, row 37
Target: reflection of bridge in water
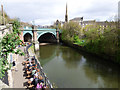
column 43, row 35
column 46, row 53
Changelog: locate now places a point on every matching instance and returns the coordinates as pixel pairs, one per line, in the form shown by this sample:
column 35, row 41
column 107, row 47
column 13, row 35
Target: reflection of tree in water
column 97, row 71
column 71, row 57
column 100, row 70
column 46, row 53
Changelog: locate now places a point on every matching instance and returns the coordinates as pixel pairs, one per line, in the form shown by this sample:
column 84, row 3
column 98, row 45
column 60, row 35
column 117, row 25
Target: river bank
column 84, row 50
column 71, row 68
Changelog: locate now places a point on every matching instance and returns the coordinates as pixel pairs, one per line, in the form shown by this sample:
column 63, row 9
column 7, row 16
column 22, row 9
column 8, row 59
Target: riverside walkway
column 18, row 78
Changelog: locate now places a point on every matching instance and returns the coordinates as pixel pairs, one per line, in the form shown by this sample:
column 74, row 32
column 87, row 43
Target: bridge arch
column 47, row 37
column 27, row 37
column 42, row 33
column 27, row 30
column 30, row 32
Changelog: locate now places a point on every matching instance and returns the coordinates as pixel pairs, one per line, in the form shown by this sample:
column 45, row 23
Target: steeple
column 66, row 15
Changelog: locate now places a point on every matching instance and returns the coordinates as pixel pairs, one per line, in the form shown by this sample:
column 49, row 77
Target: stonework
column 5, row 29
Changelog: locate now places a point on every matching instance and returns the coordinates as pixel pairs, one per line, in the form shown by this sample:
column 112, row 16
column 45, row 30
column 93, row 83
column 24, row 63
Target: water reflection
column 68, row 68
column 71, row 57
column 105, row 74
column 46, row 54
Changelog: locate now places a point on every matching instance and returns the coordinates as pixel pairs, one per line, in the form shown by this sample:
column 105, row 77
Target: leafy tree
column 70, row 30
column 8, row 45
column 104, row 41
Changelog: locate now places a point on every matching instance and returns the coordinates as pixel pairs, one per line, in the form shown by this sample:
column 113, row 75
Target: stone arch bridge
column 35, row 34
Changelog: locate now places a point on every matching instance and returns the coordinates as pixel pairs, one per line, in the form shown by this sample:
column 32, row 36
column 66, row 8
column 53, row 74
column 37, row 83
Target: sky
column 46, row 12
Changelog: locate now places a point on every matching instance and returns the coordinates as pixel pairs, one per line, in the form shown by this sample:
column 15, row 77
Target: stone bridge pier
column 35, row 41
column 34, row 31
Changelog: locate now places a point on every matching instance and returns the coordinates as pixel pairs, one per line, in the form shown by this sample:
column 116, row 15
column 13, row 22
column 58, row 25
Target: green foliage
column 8, row 45
column 95, row 39
column 79, row 41
column 102, row 41
column 76, row 39
column 70, row 30
column 16, row 26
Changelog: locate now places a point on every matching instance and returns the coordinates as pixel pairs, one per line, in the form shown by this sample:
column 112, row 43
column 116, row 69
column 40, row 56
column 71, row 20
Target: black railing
column 47, row 82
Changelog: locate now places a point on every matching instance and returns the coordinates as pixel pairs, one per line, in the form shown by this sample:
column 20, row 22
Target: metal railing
column 47, row 82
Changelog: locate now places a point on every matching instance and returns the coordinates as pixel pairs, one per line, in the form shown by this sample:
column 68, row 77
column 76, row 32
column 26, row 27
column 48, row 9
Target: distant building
column 78, row 19
column 89, row 22
column 92, row 22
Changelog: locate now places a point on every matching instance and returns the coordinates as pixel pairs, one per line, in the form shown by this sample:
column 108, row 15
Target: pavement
column 19, row 80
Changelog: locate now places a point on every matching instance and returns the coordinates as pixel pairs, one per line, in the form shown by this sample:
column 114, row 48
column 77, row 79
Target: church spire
column 66, row 15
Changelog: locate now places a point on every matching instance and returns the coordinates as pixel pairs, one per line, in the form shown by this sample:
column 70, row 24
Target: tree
column 8, row 45
column 70, row 30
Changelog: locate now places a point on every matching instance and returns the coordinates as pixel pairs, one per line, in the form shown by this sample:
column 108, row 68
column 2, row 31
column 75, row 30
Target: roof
column 89, row 21
column 77, row 19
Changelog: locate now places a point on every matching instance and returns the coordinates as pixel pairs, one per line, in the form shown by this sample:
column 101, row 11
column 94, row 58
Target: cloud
column 48, row 11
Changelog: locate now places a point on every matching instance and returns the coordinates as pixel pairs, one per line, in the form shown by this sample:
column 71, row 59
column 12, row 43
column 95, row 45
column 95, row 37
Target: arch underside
column 42, row 33
column 47, row 38
column 27, row 37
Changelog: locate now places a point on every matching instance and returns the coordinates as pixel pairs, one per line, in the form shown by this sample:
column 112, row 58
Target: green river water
column 70, row 68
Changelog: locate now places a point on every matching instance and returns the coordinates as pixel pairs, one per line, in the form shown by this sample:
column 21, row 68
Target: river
column 70, row 68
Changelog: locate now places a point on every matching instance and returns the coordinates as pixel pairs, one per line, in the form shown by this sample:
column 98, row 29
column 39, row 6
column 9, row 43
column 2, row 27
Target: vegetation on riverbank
column 102, row 41
column 8, row 45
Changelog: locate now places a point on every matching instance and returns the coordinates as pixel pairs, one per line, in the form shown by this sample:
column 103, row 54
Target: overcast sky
column 45, row 12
